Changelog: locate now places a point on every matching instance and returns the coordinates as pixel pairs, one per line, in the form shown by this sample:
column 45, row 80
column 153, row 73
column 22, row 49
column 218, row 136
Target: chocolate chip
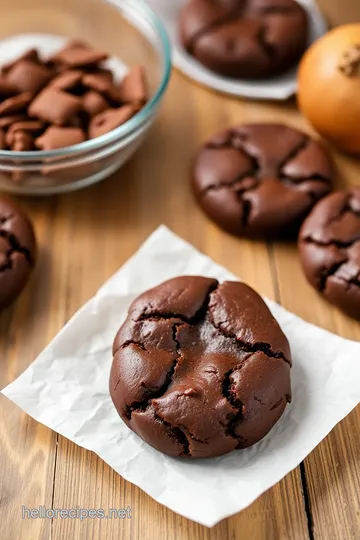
column 31, row 54
column 66, row 80
column 114, row 95
column 108, row 120
column 79, row 121
column 102, row 71
column 79, row 54
column 26, row 76
column 34, row 126
column 94, row 103
column 6, row 121
column 15, row 103
column 60, row 137
column 20, row 141
column 2, row 139
column 100, row 82
column 55, row 106
column 6, row 88
column 70, row 95
column 134, row 86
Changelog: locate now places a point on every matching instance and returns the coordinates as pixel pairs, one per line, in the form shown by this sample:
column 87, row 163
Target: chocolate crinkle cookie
column 17, row 251
column 329, row 245
column 261, row 180
column 200, row 368
column 251, row 39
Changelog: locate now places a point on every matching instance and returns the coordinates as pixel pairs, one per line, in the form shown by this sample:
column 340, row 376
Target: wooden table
column 84, row 238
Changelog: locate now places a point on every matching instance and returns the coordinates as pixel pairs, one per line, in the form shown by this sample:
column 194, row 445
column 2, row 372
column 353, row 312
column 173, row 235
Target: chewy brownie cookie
column 261, row 180
column 251, row 39
column 200, row 368
column 17, row 251
column 329, row 245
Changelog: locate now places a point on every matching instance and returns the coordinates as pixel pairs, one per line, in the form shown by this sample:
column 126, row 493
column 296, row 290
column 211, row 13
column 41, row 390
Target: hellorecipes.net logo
column 42, row 512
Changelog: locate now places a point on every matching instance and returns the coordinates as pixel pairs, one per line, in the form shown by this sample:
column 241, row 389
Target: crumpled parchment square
column 66, row 389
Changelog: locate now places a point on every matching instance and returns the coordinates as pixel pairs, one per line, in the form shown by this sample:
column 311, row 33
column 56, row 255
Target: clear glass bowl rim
column 122, row 131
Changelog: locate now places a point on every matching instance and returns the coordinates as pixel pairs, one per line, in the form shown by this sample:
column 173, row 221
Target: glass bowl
column 127, row 29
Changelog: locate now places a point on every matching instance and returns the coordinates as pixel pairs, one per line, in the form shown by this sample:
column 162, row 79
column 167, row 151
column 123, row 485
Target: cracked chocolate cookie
column 200, row 368
column 250, row 39
column 17, row 251
column 329, row 246
column 261, row 180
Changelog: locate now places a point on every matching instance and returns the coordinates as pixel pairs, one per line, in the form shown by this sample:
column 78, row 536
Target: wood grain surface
column 84, row 238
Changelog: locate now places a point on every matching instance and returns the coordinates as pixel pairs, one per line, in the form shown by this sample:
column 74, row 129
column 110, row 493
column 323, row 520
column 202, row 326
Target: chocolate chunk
column 102, row 71
column 200, row 368
column 100, row 82
column 329, row 247
column 2, row 139
column 26, row 76
column 20, row 141
column 114, row 95
column 6, row 88
column 261, row 180
column 17, row 251
column 66, row 80
column 94, row 103
column 6, row 121
column 27, row 125
column 78, row 121
column 15, row 104
column 55, row 106
column 31, row 54
column 69, row 90
column 34, row 126
column 108, row 120
column 255, row 39
column 79, row 54
column 59, row 137
column 134, row 86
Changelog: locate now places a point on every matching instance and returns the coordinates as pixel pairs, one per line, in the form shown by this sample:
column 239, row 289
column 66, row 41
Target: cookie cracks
column 348, row 207
column 151, row 393
column 5, row 219
column 332, row 270
column 177, row 434
column 237, row 141
column 265, row 44
column 14, row 247
column 226, row 16
column 243, row 345
column 226, row 19
column 252, row 179
column 292, row 180
column 236, row 404
column 131, row 342
column 198, row 317
column 242, row 11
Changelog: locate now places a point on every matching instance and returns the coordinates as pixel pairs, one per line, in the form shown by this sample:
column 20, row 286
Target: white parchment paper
column 281, row 87
column 66, row 389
